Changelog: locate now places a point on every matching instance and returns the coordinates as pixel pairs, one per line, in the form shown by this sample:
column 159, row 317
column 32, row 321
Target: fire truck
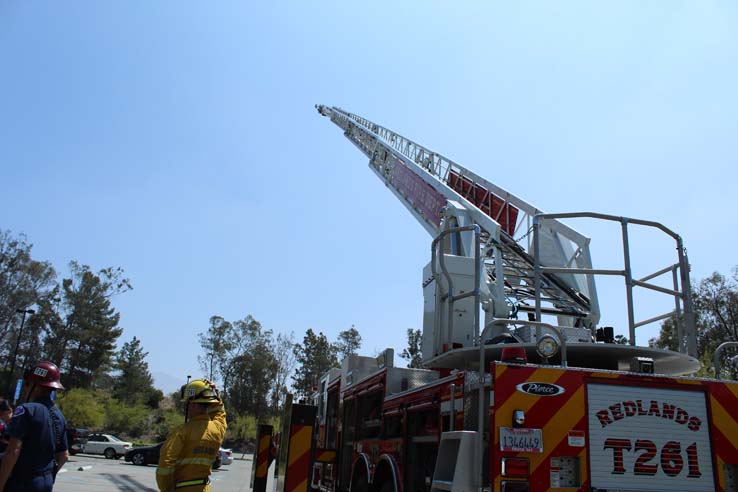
column 522, row 389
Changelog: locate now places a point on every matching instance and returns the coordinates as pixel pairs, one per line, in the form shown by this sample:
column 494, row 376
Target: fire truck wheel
column 387, row 487
column 361, row 484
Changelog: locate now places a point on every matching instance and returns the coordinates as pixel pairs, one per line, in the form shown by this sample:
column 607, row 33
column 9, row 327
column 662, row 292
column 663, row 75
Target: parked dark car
column 76, row 439
column 149, row 455
column 146, row 455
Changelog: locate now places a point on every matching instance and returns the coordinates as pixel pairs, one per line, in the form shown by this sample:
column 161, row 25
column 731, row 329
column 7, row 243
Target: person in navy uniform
column 37, row 445
column 6, row 411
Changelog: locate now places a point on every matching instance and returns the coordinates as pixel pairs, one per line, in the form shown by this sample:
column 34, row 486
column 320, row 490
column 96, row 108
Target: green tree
column 314, row 357
column 252, row 370
column 715, row 302
column 621, row 340
column 31, row 339
column 242, row 428
column 74, row 324
column 175, row 401
column 134, row 383
column 349, row 342
column 283, row 349
column 413, row 353
column 153, row 397
column 24, row 282
column 83, row 344
column 251, row 363
column 667, row 338
column 217, row 343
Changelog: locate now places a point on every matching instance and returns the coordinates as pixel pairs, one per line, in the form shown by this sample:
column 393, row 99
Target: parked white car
column 106, row 444
column 225, row 457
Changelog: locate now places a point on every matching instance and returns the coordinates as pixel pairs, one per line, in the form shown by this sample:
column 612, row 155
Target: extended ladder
column 426, row 181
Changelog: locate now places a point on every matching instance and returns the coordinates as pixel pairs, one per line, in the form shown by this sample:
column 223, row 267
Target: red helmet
column 44, row 374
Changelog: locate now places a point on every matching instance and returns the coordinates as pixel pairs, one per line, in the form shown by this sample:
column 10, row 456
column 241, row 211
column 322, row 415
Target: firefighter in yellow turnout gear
column 189, row 452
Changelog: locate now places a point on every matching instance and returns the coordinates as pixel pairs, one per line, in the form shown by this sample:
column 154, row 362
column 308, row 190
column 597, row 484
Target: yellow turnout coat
column 186, row 457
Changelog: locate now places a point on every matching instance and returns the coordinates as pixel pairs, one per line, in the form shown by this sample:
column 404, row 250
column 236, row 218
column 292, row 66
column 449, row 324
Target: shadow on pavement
column 127, row 483
column 92, row 456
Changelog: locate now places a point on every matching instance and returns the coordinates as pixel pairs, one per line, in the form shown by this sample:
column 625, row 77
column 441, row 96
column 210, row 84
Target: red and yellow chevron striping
column 262, row 456
column 325, row 456
column 298, row 461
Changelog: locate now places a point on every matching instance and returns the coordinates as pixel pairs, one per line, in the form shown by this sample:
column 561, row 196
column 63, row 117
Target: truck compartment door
column 649, row 438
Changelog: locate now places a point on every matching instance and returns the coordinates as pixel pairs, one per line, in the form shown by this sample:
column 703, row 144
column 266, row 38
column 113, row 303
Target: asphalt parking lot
column 98, row 473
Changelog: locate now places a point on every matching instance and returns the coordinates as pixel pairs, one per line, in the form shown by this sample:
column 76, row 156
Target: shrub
column 170, row 420
column 82, row 408
column 131, row 420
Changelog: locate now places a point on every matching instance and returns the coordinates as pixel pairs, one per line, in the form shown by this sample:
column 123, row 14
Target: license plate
column 521, row 440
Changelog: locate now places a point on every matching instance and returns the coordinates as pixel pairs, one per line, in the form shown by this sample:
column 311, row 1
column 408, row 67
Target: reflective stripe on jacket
column 190, row 451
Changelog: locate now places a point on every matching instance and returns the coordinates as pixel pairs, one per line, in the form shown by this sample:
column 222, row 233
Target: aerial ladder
column 527, row 261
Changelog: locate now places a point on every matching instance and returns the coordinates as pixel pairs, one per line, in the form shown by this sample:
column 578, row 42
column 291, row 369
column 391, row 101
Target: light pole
column 17, row 343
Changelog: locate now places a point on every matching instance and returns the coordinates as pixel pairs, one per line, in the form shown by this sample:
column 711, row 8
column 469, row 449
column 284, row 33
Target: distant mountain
column 166, row 382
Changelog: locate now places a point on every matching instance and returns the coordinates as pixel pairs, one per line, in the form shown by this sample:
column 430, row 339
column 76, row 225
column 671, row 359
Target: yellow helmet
column 199, row 391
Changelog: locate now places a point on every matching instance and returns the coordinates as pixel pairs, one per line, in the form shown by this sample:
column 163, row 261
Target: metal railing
column 450, row 297
column 685, row 324
column 718, row 353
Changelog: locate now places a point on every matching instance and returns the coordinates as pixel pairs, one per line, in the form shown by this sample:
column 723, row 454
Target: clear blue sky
column 178, row 140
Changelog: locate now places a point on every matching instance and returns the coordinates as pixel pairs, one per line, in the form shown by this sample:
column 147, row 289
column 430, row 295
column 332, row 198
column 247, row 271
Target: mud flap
column 296, row 447
column 263, row 457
